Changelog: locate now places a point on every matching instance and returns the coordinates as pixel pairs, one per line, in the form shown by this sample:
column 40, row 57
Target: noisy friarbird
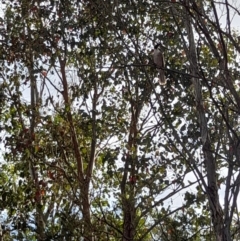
column 158, row 59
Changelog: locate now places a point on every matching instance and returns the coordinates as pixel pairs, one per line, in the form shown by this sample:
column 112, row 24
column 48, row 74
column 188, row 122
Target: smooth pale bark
column 212, row 187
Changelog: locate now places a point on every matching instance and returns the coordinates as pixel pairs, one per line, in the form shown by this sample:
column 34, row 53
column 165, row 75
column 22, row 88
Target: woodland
column 92, row 148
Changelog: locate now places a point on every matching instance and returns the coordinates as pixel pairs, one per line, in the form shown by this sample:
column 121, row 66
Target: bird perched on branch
column 158, row 59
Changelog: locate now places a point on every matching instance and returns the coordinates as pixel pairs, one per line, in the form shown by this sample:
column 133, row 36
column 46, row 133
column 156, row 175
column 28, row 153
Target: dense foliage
column 93, row 148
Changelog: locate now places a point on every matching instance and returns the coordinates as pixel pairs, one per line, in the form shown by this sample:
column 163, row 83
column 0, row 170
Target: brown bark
column 88, row 232
column 129, row 219
column 128, row 196
column 128, row 200
column 84, row 180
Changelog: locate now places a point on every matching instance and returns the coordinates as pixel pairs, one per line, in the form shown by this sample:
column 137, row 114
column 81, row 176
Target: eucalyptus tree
column 212, row 55
column 94, row 147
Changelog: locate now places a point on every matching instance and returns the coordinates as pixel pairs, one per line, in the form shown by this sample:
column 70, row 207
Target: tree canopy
column 93, row 148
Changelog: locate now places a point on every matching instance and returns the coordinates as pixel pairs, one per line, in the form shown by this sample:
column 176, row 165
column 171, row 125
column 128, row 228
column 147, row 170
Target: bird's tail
column 162, row 78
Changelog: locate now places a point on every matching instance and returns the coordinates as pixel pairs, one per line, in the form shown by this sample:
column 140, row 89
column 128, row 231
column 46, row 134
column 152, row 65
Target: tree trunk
column 1, row 233
column 129, row 220
column 87, row 231
column 212, row 187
